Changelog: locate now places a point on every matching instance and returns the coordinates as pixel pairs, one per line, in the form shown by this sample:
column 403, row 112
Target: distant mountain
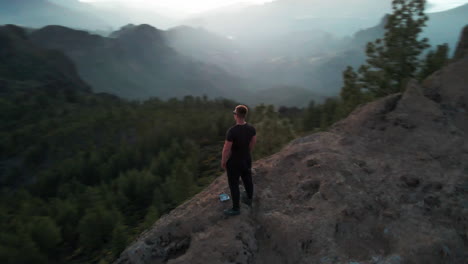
column 279, row 62
column 136, row 63
column 23, row 63
column 313, row 60
column 116, row 14
column 294, row 43
column 445, row 27
column 442, row 27
column 39, row 13
column 299, row 55
column 364, row 36
column 203, row 45
column 78, row 15
column 283, row 16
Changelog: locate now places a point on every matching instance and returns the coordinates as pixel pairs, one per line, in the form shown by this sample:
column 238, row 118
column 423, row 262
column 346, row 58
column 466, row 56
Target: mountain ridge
column 42, row 65
column 141, row 63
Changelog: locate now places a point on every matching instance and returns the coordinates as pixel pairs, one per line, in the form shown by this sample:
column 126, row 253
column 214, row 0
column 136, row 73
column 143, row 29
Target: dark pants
column 235, row 169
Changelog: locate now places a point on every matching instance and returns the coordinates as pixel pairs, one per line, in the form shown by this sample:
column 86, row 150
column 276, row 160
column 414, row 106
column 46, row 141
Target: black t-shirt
column 240, row 136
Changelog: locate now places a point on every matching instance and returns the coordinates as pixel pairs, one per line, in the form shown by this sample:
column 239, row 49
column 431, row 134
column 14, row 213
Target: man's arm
column 226, row 153
column 252, row 143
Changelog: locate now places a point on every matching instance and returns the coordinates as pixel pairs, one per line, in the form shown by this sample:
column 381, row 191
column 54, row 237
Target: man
column 236, row 158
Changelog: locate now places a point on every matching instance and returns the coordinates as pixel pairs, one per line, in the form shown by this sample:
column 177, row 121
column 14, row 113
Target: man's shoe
column 231, row 212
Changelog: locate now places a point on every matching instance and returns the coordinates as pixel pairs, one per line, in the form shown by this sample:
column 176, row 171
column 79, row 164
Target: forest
column 83, row 174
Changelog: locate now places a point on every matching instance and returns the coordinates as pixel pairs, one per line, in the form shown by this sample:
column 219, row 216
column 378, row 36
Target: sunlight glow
column 185, row 6
column 191, row 7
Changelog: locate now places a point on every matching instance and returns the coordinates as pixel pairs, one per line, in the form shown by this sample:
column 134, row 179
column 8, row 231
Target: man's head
column 241, row 111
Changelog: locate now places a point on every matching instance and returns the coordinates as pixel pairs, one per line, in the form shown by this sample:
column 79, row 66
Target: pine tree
column 45, row 233
column 95, row 228
column 119, row 239
column 394, row 59
column 180, row 182
column 329, row 112
column 351, row 94
column 152, row 215
column 434, row 61
column 311, row 117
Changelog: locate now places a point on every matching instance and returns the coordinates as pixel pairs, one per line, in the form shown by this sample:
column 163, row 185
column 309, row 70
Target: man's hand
column 226, row 153
column 252, row 143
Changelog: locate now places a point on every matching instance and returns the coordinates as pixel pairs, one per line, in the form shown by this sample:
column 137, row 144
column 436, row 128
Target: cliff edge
column 387, row 185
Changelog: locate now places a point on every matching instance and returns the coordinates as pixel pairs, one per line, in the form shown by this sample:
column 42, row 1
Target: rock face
column 387, row 185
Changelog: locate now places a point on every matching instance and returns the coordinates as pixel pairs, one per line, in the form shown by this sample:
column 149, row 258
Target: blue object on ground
column 224, row 197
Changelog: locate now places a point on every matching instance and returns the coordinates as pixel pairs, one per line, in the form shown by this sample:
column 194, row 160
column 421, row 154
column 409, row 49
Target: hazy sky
column 196, row 6
column 440, row 5
column 183, row 6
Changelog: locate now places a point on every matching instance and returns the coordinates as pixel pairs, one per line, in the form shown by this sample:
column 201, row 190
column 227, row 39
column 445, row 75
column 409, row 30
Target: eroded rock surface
column 387, row 185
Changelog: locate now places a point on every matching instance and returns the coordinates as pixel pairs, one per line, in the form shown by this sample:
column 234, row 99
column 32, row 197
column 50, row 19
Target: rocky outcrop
column 387, row 185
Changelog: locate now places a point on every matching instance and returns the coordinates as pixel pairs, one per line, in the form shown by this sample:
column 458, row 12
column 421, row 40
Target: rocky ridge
column 387, row 185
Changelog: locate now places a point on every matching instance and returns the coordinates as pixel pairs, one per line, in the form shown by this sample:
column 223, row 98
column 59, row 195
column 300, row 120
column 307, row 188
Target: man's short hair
column 241, row 111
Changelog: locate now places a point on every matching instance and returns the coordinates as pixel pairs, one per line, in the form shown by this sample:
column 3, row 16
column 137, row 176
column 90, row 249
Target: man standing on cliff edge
column 236, row 158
